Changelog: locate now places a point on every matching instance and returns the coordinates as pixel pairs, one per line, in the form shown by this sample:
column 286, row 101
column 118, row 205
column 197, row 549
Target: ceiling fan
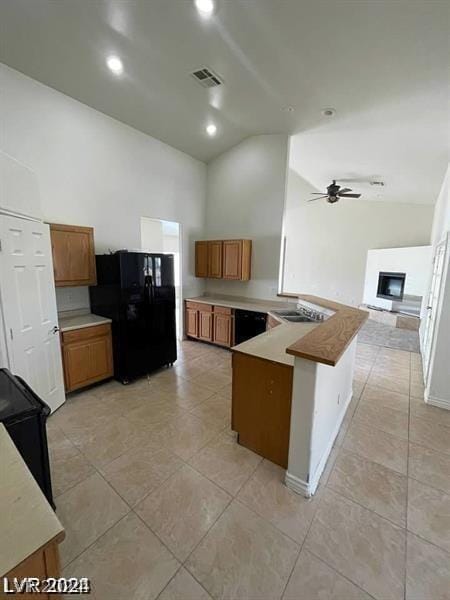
column 334, row 193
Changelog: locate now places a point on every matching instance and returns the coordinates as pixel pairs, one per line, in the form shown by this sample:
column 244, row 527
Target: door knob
column 55, row 329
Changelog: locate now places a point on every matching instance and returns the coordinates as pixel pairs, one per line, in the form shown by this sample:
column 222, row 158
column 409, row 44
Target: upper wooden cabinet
column 236, row 259
column 223, row 259
column 201, row 259
column 73, row 255
column 215, row 250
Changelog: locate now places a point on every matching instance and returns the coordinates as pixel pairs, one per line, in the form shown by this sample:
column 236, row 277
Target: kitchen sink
column 297, row 318
column 286, row 313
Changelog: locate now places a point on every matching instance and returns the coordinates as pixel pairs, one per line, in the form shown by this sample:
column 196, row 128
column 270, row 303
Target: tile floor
column 159, row 501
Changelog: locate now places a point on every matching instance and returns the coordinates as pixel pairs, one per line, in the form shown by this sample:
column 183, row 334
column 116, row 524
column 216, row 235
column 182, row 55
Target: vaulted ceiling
column 382, row 64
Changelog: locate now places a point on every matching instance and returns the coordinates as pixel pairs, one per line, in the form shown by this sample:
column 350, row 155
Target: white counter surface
column 77, row 319
column 242, row 303
column 27, row 521
column 272, row 344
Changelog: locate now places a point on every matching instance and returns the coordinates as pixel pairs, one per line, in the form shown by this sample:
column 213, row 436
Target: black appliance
column 137, row 291
column 248, row 324
column 24, row 416
column 391, row 285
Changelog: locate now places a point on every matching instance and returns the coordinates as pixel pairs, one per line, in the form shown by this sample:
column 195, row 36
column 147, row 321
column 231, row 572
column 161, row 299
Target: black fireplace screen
column 391, row 285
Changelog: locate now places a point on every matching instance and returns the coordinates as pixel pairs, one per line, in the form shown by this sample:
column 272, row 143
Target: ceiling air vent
column 206, row 78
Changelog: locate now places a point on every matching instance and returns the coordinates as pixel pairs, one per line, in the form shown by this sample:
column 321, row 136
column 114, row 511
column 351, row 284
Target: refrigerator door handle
column 149, row 288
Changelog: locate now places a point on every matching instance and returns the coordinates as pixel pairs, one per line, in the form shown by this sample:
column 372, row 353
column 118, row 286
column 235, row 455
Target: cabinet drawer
column 223, row 310
column 199, row 306
column 85, row 333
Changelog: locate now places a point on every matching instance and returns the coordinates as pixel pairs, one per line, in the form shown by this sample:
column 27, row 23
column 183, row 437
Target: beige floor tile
column 86, row 511
column 416, row 362
column 371, row 485
column 67, row 465
column 136, row 473
column 365, row 548
column 216, row 409
column 378, row 446
column 184, row 587
column 226, row 463
column 379, row 397
column 361, row 373
column 429, row 513
column 312, row 579
column 431, row 435
column 387, row 419
column 266, row 493
column 429, row 467
column 358, row 388
column 417, row 390
column 186, row 435
column 213, row 379
column 395, row 384
column 182, row 510
column 127, row 563
column 243, row 556
column 391, row 370
column 439, row 416
column 367, row 351
column 116, row 437
column 427, row 571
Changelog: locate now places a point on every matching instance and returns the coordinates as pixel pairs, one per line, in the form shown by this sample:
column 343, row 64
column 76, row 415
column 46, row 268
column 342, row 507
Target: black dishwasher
column 248, row 324
column 24, row 416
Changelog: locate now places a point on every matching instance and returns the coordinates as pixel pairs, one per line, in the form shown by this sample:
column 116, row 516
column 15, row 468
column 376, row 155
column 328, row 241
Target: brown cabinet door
column 205, row 325
column 76, row 365
column 223, row 329
column 73, row 255
column 87, row 359
column 215, row 259
column 191, row 322
column 201, row 259
column 232, row 259
column 261, row 406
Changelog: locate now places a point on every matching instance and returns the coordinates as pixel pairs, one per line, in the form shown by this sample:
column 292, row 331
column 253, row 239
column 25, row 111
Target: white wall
column 415, row 262
column 320, row 397
column 438, row 380
column 246, row 192
column 327, row 244
column 95, row 171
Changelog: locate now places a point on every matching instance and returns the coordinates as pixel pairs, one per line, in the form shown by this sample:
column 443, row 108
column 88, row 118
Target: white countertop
column 27, row 521
column 239, row 302
column 77, row 319
column 272, row 344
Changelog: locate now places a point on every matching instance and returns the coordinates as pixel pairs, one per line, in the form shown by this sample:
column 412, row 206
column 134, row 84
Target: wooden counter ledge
column 328, row 342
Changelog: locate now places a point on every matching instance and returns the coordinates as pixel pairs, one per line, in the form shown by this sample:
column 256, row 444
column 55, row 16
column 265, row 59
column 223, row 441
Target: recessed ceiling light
column 328, row 112
column 115, row 65
column 288, row 109
column 211, row 129
column 205, row 7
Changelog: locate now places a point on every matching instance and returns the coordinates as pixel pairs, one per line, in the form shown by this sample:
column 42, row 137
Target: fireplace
column 391, row 285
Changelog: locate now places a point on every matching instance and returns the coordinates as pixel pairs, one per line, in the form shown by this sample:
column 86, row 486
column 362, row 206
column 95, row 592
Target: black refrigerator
column 137, row 291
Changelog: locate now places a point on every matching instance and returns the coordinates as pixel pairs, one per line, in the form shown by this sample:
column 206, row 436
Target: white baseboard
column 298, row 485
column 308, row 489
column 439, row 402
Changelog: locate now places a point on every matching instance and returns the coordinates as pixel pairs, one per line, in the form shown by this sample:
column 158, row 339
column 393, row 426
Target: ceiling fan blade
column 320, row 197
column 349, row 195
column 344, row 190
column 316, row 193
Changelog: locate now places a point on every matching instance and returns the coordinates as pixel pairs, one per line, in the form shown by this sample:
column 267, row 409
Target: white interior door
column 433, row 303
column 29, row 307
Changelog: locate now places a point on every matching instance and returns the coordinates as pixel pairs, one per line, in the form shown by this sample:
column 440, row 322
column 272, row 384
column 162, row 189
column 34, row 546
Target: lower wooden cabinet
column 261, row 406
column 205, row 323
column 87, row 356
column 209, row 323
column 223, row 326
